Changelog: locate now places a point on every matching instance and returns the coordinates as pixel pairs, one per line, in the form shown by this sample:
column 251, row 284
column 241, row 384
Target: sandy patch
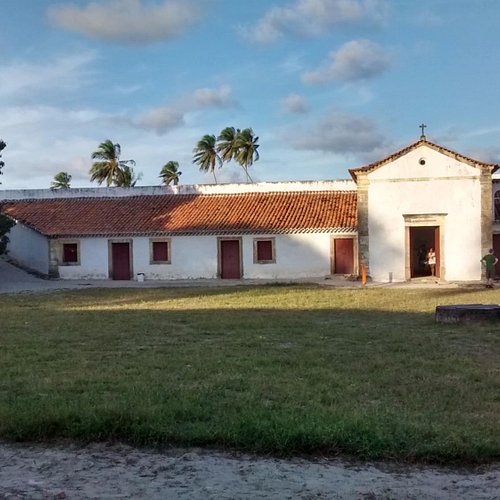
column 118, row 471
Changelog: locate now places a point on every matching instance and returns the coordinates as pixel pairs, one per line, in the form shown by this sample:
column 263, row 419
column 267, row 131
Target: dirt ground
column 108, row 471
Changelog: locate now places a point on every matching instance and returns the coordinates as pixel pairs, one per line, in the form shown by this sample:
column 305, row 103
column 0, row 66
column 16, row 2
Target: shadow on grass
column 285, row 371
column 480, row 291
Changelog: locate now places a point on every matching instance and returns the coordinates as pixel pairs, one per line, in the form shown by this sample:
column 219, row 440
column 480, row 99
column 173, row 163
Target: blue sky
column 326, row 84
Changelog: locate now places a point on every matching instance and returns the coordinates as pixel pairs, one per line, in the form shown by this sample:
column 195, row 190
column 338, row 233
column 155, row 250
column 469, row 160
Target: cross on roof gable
column 422, row 142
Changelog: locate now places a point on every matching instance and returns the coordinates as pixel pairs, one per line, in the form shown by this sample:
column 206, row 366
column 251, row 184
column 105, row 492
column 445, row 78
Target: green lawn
column 271, row 369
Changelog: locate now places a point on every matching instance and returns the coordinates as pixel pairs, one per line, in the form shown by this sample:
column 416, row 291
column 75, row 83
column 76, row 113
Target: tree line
column 210, row 153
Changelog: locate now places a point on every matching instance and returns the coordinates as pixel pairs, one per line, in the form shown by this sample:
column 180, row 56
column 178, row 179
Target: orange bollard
column 363, row 274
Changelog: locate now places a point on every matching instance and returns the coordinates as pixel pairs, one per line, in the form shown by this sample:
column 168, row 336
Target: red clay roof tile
column 175, row 214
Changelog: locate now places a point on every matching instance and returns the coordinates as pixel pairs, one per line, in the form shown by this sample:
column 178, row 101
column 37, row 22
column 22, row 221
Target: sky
column 326, row 85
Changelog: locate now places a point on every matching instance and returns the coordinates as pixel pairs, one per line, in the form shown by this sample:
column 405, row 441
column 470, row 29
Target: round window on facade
column 421, row 161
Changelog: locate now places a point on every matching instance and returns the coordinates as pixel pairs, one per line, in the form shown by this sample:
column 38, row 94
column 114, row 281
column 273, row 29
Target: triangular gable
column 422, row 142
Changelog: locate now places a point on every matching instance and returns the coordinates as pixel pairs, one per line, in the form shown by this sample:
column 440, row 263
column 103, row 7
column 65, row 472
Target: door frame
column 355, row 264
column 423, row 220
column 130, row 253
column 220, row 239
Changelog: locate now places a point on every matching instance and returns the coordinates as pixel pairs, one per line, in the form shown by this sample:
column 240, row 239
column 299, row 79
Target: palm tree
column 170, row 173
column 61, row 181
column 109, row 168
column 205, row 155
column 127, row 177
column 226, row 143
column 246, row 150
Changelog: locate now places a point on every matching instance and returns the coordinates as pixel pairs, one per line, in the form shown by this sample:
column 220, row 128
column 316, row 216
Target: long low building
column 195, row 232
column 392, row 212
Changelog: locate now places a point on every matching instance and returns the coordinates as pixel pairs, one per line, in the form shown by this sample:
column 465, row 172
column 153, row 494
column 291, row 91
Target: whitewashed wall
column 297, row 256
column 443, row 185
column 191, row 257
column 117, row 192
column 93, row 260
column 29, row 248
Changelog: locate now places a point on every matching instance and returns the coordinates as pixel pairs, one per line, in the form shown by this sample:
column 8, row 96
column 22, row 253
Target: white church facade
column 423, row 196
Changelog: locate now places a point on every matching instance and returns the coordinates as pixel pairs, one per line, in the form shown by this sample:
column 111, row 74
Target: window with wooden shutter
column 70, row 253
column 264, row 251
column 160, row 251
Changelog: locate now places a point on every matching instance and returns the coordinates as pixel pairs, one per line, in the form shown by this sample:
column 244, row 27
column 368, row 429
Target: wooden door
column 437, row 250
column 230, row 260
column 343, row 249
column 496, row 249
column 120, row 258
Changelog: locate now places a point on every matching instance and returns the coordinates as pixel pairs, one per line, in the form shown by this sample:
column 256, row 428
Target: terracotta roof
column 174, row 214
column 422, row 142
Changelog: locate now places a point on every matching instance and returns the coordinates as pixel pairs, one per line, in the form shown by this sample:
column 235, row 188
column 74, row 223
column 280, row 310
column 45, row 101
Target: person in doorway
column 489, row 261
column 431, row 261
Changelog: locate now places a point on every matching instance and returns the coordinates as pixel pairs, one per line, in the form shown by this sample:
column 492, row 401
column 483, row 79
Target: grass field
column 271, row 369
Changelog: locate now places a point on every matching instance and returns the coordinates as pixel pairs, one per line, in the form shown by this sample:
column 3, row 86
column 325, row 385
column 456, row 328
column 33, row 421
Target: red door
column 120, row 257
column 344, row 255
column 230, row 267
column 437, row 250
column 496, row 249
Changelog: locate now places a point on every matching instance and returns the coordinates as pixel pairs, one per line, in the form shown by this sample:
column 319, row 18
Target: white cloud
column 66, row 73
column 231, row 173
column 339, row 133
column 314, row 18
column 294, row 103
column 294, row 63
column 487, row 154
column 355, row 60
column 40, row 115
column 161, row 119
column 128, row 89
column 218, row 98
column 128, row 21
column 44, row 140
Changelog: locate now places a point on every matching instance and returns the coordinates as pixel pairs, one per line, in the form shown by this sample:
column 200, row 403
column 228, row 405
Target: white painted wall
column 443, row 185
column 29, row 248
column 93, row 260
column 191, row 257
column 297, row 256
column 117, row 192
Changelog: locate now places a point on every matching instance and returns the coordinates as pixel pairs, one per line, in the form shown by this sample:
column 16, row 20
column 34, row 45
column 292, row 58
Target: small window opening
column 70, row 253
column 264, row 251
column 160, row 252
